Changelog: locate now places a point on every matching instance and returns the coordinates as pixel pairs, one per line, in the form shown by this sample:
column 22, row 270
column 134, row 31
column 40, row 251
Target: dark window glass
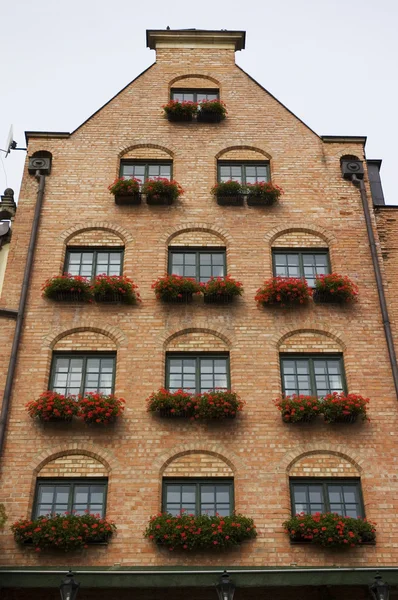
column 304, row 264
column 78, row 496
column 198, row 264
column 145, row 170
column 193, row 95
column 243, row 172
column 198, row 497
column 312, row 375
column 89, row 262
column 80, row 374
column 337, row 496
column 197, row 374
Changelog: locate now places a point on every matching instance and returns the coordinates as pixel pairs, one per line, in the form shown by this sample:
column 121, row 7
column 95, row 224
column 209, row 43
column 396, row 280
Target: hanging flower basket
column 298, row 409
column 283, row 291
column 211, row 111
column 66, row 532
column 330, row 530
column 344, row 408
column 187, row 532
column 228, row 193
column 221, row 289
column 115, row 288
column 334, row 288
column 161, row 191
column 51, row 406
column 126, row 191
column 180, row 111
column 100, row 408
column 217, row 404
column 174, row 288
column 68, row 288
column 263, row 193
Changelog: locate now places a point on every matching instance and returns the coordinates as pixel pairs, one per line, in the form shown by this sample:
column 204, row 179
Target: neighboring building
column 254, row 464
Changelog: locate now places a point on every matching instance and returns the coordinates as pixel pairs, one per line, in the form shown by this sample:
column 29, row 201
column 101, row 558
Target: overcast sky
column 331, row 62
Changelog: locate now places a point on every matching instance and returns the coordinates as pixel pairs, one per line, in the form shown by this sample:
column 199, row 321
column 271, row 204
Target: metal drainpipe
column 21, row 309
column 379, row 281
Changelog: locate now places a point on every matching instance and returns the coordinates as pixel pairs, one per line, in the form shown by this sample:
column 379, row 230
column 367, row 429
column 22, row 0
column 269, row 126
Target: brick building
column 255, row 464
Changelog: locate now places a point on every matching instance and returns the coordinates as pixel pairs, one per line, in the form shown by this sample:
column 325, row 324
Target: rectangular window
column 327, row 495
column 197, row 373
column 315, row 375
column 74, row 374
column 70, row 495
column 198, row 497
column 89, row 262
column 200, row 264
column 248, row 172
column 192, row 95
column 305, row 264
column 143, row 171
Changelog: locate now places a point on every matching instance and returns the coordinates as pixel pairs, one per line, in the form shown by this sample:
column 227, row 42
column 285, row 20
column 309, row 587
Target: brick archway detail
column 222, row 234
column 222, row 335
column 127, row 149
column 115, row 334
column 104, row 457
column 217, row 450
column 238, row 146
column 291, row 331
column 291, row 458
column 79, row 228
column 193, row 76
column 311, row 228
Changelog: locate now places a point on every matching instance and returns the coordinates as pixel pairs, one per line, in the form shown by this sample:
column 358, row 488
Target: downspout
column 21, row 309
column 379, row 281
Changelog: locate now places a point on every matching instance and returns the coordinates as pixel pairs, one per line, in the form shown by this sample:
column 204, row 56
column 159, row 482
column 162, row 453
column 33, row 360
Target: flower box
column 115, row 288
column 330, row 530
column 180, row 111
column 53, row 407
column 68, row 288
column 298, row 409
column 344, row 408
column 161, row 191
column 283, row 291
column 228, row 193
column 174, row 288
column 211, row 111
column 263, row 193
column 187, row 532
column 126, row 190
column 334, row 288
column 221, row 289
column 66, row 532
column 217, row 404
column 100, row 408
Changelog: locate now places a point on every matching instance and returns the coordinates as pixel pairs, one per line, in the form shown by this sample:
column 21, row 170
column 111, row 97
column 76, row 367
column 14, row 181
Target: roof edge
column 46, row 134
column 181, row 37
column 344, row 139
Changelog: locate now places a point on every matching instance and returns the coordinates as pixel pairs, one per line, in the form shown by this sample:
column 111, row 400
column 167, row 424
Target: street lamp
column 225, row 588
column 379, row 589
column 69, row 587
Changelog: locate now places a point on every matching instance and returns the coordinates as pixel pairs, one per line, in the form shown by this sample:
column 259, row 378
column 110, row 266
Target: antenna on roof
column 11, row 144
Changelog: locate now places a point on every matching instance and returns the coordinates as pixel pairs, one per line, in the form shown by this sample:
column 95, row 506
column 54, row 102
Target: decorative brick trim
column 124, row 235
column 311, row 228
column 238, row 146
column 222, row 234
column 193, row 76
column 309, row 328
column 127, row 149
column 291, row 458
column 109, row 331
column 223, row 335
column 217, row 450
column 105, row 457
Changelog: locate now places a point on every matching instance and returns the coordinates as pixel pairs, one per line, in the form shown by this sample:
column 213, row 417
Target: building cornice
column 46, row 134
column 344, row 139
column 197, row 38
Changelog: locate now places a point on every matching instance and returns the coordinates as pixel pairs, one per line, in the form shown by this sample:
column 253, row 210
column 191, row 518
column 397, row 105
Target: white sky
column 331, row 62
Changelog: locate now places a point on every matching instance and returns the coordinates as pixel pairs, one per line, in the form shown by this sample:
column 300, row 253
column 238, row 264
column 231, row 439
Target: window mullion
column 198, row 373
column 70, row 497
column 314, row 389
column 198, row 504
column 83, row 380
column 326, row 502
column 197, row 266
column 301, row 265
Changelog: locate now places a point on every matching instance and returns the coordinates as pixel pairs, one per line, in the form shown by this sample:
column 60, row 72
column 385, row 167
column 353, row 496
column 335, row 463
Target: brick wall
column 323, row 465
column 85, row 340
column 299, row 239
column 197, row 465
column 197, row 238
column 197, row 342
column 74, row 465
column 96, row 237
column 308, row 341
